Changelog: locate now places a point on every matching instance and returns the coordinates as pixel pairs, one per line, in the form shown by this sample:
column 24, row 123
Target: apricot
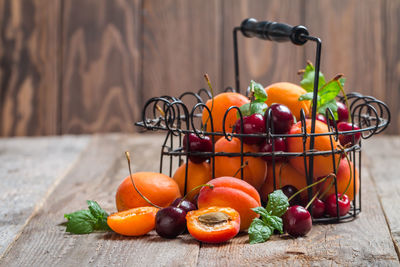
column 234, row 193
column 285, row 174
column 133, row 222
column 197, row 174
column 213, row 224
column 288, row 94
column 160, row 189
column 254, row 169
column 222, row 102
column 323, row 164
column 343, row 177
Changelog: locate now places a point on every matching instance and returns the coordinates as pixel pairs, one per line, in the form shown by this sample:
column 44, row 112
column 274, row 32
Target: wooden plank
column 391, row 35
column 383, row 154
column 29, row 168
column 181, row 42
column 29, row 66
column 263, row 61
column 351, row 34
column 101, row 66
column 99, row 172
column 365, row 241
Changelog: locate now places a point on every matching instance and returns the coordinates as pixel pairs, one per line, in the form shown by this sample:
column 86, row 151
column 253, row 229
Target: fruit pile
column 247, row 168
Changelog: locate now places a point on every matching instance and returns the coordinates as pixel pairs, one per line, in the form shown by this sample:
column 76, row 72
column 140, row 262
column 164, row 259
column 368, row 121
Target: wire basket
column 176, row 117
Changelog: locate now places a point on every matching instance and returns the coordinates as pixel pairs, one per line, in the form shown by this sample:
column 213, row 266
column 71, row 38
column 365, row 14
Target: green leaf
column 275, row 222
column 329, row 91
column 100, row 215
column 255, row 107
column 261, row 210
column 259, row 231
column 259, row 92
column 308, row 96
column 308, row 78
column 277, row 203
column 80, row 222
column 330, row 104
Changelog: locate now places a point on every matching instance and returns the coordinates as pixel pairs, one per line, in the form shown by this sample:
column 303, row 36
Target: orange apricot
column 323, row 164
column 213, row 224
column 197, row 174
column 254, row 169
column 288, row 94
column 160, row 189
column 234, row 193
column 344, row 176
column 133, row 222
column 222, row 102
column 285, row 174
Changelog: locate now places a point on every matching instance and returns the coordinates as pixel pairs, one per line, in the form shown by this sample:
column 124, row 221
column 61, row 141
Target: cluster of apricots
column 215, row 210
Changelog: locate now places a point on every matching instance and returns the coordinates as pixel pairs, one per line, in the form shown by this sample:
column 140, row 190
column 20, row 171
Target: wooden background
column 85, row 66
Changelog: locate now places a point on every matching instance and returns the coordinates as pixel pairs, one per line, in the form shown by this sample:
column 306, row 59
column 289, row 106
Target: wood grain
column 263, row 61
column 382, row 161
column 29, row 169
column 97, row 175
column 29, row 69
column 101, row 66
column 181, row 42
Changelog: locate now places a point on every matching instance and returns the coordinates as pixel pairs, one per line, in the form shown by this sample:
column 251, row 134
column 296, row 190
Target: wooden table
column 43, row 178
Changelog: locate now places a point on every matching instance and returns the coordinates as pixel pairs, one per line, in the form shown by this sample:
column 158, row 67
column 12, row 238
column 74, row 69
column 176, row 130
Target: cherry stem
column 241, row 167
column 160, row 110
column 311, row 201
column 311, row 185
column 212, row 98
column 195, row 188
column 130, row 175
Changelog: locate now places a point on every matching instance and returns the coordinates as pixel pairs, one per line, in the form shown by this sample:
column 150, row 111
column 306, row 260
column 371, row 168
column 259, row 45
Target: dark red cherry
column 348, row 138
column 297, row 221
column 290, row 190
column 330, row 205
column 342, row 111
column 322, row 118
column 266, row 146
column 186, row 205
column 253, row 124
column 170, row 222
column 197, row 144
column 318, row 208
column 282, row 118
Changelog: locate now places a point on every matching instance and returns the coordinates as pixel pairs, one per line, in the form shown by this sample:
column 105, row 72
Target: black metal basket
column 172, row 115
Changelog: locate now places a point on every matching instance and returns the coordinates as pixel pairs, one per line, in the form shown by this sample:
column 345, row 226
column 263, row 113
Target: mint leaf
column 255, row 107
column 277, row 203
column 261, row 210
column 100, row 215
column 332, row 105
column 308, row 96
column 308, row 78
column 80, row 222
column 259, row 92
column 274, row 222
column 259, row 231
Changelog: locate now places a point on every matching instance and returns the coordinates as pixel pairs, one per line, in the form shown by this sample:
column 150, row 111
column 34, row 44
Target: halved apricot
column 213, row 224
column 133, row 222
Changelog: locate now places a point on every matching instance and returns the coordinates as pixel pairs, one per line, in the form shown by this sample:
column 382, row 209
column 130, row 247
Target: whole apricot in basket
column 254, row 168
column 234, row 193
column 323, row 164
column 288, row 94
column 197, row 174
column 160, row 189
column 222, row 102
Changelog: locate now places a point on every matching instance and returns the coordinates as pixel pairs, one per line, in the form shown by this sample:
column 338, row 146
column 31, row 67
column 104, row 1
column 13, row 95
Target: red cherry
column 322, row 118
column 330, row 205
column 342, row 111
column 282, row 118
column 290, row 190
column 318, row 208
column 348, row 138
column 197, row 144
column 280, row 145
column 297, row 221
column 253, row 124
column 170, row 222
column 186, row 205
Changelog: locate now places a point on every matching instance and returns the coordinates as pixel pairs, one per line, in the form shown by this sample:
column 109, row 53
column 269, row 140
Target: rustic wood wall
column 84, row 66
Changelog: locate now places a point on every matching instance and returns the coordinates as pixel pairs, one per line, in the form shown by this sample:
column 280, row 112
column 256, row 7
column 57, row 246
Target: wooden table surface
column 43, row 178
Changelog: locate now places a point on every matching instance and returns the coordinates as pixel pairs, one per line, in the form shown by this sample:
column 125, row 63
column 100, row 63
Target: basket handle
column 274, row 31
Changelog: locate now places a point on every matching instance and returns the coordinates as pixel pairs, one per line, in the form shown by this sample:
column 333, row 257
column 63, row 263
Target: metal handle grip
column 273, row 31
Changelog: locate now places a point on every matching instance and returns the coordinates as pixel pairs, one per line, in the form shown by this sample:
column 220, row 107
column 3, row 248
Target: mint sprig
column 257, row 104
column 327, row 91
column 270, row 219
column 87, row 221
